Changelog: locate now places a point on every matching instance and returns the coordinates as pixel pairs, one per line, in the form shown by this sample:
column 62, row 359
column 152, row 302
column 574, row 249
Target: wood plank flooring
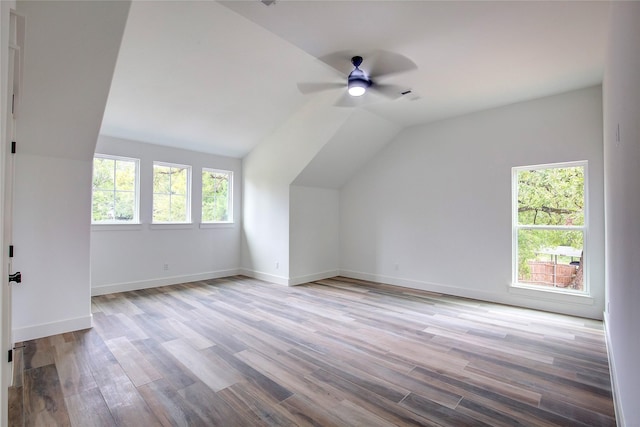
column 336, row 352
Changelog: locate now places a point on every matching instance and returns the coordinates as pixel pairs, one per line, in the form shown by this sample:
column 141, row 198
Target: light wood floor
column 338, row 352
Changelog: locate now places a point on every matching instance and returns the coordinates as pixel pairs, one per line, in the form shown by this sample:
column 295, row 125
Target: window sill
column 171, row 226
column 551, row 294
column 217, row 225
column 116, row 227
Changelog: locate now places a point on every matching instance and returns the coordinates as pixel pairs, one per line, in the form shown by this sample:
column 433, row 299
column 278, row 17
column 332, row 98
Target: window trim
column 212, row 224
column 515, row 227
column 136, row 213
column 189, row 218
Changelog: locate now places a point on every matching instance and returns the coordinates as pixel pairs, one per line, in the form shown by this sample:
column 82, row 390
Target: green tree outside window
column 114, row 190
column 216, row 196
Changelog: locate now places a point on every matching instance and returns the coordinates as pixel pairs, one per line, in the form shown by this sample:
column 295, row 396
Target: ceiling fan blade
column 319, row 87
column 347, row 100
column 388, row 90
column 383, row 63
column 340, row 61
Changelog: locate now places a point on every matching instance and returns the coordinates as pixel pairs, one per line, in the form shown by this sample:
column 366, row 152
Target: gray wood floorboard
column 336, row 352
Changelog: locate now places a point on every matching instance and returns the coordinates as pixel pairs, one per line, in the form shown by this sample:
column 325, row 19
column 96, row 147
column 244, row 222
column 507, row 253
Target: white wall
column 314, row 213
column 70, row 54
column 268, row 171
column 314, row 234
column 621, row 90
column 52, row 246
column 433, row 209
column 127, row 257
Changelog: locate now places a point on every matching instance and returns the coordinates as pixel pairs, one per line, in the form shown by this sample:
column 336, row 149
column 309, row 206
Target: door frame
column 12, row 61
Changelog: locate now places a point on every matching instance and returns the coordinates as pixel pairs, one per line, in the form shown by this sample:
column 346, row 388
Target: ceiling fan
column 363, row 76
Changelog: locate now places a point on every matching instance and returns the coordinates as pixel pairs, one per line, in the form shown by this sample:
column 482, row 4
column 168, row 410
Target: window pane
column 161, row 179
column 171, row 185
column 216, row 201
column 125, row 175
column 178, row 181
column 178, row 208
column 124, row 206
column 553, row 196
column 114, row 197
column 102, row 209
column 551, row 258
column 103, row 173
column 214, row 210
column 161, row 208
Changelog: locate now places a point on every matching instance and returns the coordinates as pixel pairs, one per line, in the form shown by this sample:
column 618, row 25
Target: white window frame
column 188, row 219
column 517, row 227
column 136, row 214
column 230, row 198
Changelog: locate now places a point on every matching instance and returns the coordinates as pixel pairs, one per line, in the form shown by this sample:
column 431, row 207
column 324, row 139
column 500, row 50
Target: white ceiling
column 219, row 77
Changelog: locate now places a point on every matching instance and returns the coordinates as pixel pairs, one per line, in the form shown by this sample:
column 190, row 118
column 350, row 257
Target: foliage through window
column 217, row 188
column 549, row 226
column 171, row 193
column 114, row 190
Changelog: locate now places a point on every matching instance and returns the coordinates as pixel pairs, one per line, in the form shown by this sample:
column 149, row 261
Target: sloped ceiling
column 219, row 77
column 70, row 50
column 357, row 141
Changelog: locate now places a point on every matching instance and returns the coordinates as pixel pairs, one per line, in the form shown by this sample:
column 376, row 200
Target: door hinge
column 13, row 102
column 10, row 355
column 13, row 147
column 10, row 251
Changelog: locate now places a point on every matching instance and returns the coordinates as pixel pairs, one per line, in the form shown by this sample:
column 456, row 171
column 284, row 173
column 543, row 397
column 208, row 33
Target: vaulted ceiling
column 219, row 77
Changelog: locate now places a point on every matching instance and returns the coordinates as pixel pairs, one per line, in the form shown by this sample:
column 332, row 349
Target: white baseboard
column 617, row 405
column 163, row 281
column 293, row 281
column 564, row 304
column 416, row 284
column 272, row 278
column 54, row 328
column 289, row 281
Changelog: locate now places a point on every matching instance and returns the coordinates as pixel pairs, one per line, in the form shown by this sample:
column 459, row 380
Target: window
column 549, row 226
column 171, row 193
column 217, row 190
column 115, row 190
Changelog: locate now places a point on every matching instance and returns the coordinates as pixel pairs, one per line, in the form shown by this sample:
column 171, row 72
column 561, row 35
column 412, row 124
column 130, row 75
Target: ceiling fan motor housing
column 359, row 75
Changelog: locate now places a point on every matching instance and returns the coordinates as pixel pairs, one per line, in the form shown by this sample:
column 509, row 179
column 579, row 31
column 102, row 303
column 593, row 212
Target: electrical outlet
column 165, row 267
column 277, row 265
column 397, row 267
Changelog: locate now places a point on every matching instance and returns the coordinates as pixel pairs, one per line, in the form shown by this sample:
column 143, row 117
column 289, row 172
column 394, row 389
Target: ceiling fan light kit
column 357, row 87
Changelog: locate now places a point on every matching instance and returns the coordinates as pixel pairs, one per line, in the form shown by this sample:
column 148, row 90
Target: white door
column 16, row 37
